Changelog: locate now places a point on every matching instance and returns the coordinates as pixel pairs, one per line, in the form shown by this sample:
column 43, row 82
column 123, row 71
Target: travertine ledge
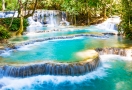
column 90, row 61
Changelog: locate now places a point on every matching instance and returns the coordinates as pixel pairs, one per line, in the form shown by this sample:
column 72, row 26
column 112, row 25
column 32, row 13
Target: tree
column 72, row 8
column 31, row 9
column 126, row 23
column 19, row 32
column 3, row 5
column 23, row 5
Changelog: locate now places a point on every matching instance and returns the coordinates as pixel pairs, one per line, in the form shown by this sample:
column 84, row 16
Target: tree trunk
column 110, row 8
column 72, row 23
column 26, row 7
column 88, row 19
column 19, row 32
column 75, row 20
column 89, row 16
column 12, row 20
column 3, row 5
column 30, row 14
column 104, row 12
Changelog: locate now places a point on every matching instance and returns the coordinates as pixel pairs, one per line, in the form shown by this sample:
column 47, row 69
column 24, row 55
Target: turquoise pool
column 63, row 32
column 115, row 72
column 62, row 50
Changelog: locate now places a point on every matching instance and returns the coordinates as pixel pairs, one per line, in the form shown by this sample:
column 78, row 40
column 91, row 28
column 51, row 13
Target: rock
column 12, row 46
column 64, row 23
column 109, row 33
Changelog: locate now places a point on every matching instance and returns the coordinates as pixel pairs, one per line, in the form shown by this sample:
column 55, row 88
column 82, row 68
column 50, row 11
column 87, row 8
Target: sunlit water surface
column 59, row 50
column 63, row 50
column 115, row 73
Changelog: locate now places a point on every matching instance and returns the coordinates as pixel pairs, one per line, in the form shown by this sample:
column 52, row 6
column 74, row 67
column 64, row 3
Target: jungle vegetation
column 79, row 12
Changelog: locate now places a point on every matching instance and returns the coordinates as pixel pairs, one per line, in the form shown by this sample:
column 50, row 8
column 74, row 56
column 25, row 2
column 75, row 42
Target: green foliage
column 10, row 7
column 11, row 4
column 126, row 24
column 15, row 24
column 0, row 5
column 4, row 34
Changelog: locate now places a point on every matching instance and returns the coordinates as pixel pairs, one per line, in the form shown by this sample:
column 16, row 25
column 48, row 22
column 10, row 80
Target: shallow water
column 62, row 50
column 115, row 73
column 64, row 31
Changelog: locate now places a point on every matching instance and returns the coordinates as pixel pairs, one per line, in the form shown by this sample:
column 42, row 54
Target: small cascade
column 115, row 51
column 64, row 22
column 33, row 26
column 7, row 14
column 110, row 25
column 66, row 69
column 107, row 26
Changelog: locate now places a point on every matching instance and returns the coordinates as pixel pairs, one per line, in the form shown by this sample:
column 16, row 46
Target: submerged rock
column 109, row 34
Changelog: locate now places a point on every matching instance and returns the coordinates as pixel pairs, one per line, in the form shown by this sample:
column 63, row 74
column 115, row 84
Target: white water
column 33, row 25
column 6, row 53
column 110, row 57
column 42, row 18
column 7, row 14
column 110, row 25
column 46, row 16
column 20, row 83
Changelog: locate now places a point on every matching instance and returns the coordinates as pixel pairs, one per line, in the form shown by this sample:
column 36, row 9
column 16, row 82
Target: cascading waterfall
column 46, row 18
column 49, row 18
column 51, row 68
column 64, row 22
column 66, row 69
column 110, row 25
column 116, row 51
column 107, row 26
column 7, row 14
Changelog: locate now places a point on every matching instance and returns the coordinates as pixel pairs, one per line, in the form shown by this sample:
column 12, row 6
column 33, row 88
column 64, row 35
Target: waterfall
column 65, row 69
column 44, row 18
column 63, row 21
column 48, row 18
column 7, row 14
column 110, row 25
column 115, row 51
column 107, row 26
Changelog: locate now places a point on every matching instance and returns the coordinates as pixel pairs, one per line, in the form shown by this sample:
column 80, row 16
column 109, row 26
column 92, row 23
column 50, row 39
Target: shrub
column 4, row 34
column 15, row 24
